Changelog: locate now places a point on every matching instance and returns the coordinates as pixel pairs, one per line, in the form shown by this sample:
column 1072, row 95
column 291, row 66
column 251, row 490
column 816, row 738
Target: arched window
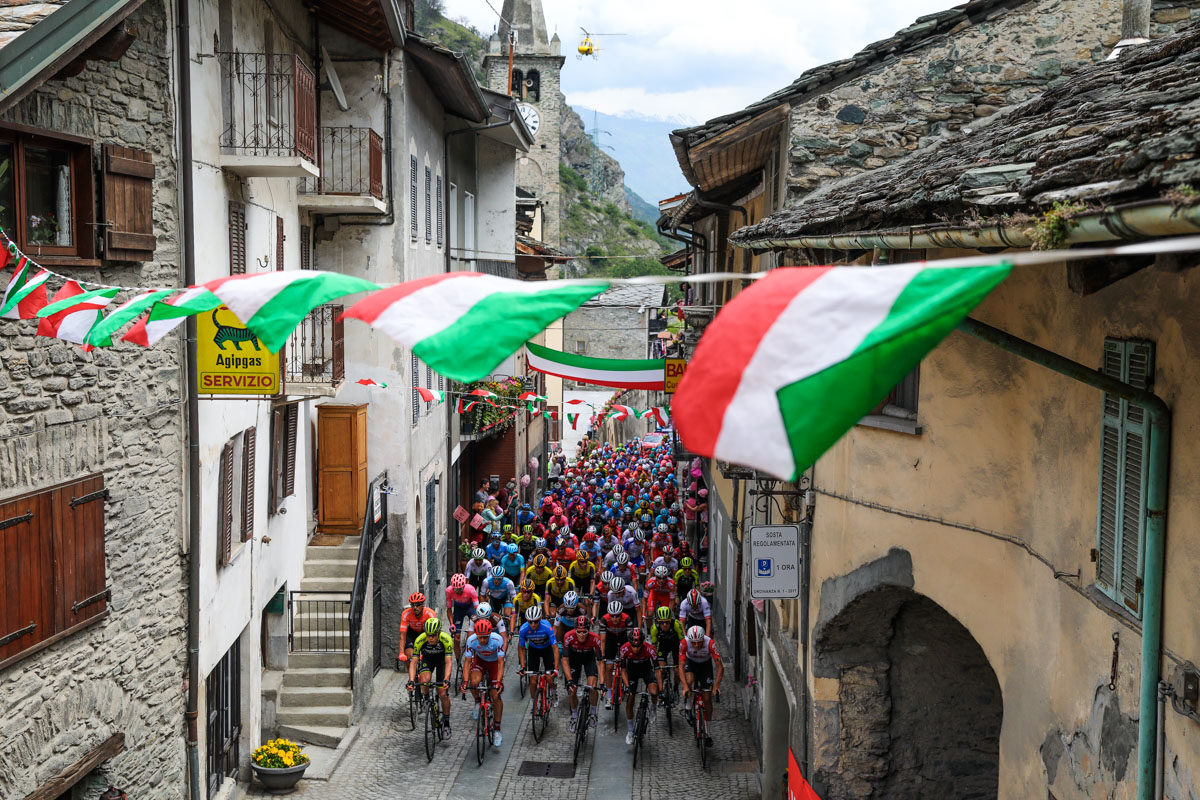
column 533, row 84
column 518, row 81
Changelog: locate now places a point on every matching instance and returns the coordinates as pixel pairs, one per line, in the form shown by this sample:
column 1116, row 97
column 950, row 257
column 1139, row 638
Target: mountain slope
column 642, row 147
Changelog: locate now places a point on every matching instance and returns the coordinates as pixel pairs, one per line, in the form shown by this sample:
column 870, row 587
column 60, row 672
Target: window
column 284, row 425
column 428, row 206
column 518, row 84
column 580, row 346
column 440, row 211
column 305, row 247
column 533, row 86
column 223, row 717
column 453, row 240
column 56, row 536
column 428, row 382
column 412, row 197
column 279, row 238
column 441, row 384
column 237, row 238
column 468, row 225
column 1120, row 525
column 430, row 575
column 235, row 521
column 416, row 371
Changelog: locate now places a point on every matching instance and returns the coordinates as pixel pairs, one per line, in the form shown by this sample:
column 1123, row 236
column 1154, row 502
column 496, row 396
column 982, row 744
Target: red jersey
column 409, row 620
column 629, row 656
column 661, row 591
column 580, row 643
column 619, row 625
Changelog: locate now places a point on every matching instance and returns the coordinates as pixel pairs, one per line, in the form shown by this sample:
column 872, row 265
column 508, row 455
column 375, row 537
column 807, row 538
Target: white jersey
column 483, row 569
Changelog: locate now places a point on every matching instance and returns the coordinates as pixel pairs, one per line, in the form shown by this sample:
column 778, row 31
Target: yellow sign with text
column 673, row 374
column 230, row 359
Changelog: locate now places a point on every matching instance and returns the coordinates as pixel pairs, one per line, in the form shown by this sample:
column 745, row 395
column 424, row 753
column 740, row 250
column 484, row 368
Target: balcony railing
column 351, row 163
column 270, row 105
column 315, row 354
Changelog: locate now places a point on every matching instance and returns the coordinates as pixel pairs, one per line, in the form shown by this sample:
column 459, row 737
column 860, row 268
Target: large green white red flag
column 463, row 324
column 796, row 360
column 620, row 373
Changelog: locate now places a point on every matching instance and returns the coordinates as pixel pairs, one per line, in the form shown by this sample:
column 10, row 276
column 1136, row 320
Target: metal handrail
column 362, row 570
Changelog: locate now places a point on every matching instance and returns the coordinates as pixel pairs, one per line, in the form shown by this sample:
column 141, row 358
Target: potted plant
column 279, row 765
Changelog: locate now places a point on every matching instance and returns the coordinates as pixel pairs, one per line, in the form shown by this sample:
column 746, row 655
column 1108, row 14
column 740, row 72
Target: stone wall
column 65, row 413
column 605, row 333
column 970, row 73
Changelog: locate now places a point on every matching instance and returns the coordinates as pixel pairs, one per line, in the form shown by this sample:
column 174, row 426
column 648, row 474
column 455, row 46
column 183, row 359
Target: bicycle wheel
column 433, row 727
column 581, row 725
column 639, row 732
column 541, row 710
column 522, row 684
column 702, row 739
column 414, row 700
column 617, row 705
column 481, row 733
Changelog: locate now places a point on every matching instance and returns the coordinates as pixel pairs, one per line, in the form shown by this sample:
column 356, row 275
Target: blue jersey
column 538, row 637
column 496, row 550
column 513, row 565
column 490, row 650
column 500, row 591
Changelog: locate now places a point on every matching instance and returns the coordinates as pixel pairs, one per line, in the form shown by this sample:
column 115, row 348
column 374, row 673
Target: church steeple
column 529, row 22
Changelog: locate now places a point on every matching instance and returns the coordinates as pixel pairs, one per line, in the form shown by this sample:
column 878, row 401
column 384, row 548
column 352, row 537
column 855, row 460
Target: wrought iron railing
column 319, row 622
column 371, row 529
column 315, row 353
column 351, row 163
column 269, row 101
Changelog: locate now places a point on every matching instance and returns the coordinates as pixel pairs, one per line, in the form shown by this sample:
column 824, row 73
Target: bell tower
column 537, row 62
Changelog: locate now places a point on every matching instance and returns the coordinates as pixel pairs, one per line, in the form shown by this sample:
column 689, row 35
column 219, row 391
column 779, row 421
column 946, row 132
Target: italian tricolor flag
column 26, row 295
column 166, row 315
column 617, row 372
column 463, row 324
column 73, row 312
column 795, row 361
column 429, row 395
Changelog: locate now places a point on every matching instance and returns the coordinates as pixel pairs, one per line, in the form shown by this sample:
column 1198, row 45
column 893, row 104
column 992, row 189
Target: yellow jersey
column 582, row 571
column 520, row 605
column 539, row 577
column 557, row 590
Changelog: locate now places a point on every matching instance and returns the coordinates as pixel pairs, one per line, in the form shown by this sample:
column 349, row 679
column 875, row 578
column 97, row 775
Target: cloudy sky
column 698, row 59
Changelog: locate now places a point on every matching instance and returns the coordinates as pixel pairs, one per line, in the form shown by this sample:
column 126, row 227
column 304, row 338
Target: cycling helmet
column 663, row 614
column 673, row 520
column 433, row 627
column 484, row 628
column 707, row 589
column 570, row 599
column 638, row 536
column 527, row 529
column 512, row 549
column 686, row 562
column 617, row 585
column 606, row 576
column 615, row 608
column 581, row 555
column 483, row 610
column 695, row 634
column 539, row 542
column 589, row 537
column 560, row 573
column 636, row 636
column 668, row 550
column 591, row 529
column 533, row 613
column 694, row 597
column 508, row 528
column 539, row 561
column 478, row 554
column 458, row 582
column 495, row 534
column 622, row 558
column 497, row 572
column 527, row 585
column 660, row 571
column 416, row 598
column 662, row 527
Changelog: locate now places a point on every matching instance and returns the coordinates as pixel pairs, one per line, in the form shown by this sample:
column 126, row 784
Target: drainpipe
column 1156, row 524
column 390, row 217
column 191, row 712
column 736, row 611
column 806, row 529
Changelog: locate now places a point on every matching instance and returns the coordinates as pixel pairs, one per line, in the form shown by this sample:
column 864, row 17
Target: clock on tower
column 532, row 119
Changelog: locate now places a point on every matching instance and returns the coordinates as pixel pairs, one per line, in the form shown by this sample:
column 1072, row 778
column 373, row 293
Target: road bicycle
column 641, row 721
column 699, row 723
column 582, row 719
column 435, row 718
column 543, row 700
column 668, row 692
column 618, row 695
column 485, row 723
column 414, row 705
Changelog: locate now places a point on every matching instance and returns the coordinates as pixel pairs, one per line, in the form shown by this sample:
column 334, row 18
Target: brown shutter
column 237, row 238
column 289, row 440
column 26, row 574
column 305, row 247
column 279, row 237
column 225, row 521
column 79, row 551
column 128, row 203
column 248, row 463
column 277, row 463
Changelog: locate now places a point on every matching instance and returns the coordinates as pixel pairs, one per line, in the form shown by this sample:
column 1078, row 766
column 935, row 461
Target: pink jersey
column 469, row 597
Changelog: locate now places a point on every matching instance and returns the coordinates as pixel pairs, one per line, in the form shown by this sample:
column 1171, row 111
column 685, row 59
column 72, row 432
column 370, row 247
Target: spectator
column 503, row 497
column 481, row 494
column 492, row 516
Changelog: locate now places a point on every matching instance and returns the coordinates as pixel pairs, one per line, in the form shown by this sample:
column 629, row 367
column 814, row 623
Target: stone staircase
column 315, row 699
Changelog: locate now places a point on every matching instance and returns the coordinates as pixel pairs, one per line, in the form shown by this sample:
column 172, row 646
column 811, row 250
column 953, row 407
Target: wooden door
column 342, row 467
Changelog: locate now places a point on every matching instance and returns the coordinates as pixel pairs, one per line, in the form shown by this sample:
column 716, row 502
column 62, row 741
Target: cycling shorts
column 476, row 580
column 641, row 671
column 613, row 642
column 410, row 638
column 489, row 668
column 461, row 612
column 702, row 672
column 539, row 659
column 668, row 649
column 435, row 664
column 584, row 663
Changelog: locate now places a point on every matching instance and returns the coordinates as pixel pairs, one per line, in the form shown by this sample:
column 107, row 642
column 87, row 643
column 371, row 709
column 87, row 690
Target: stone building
column 93, row 646
column 891, row 623
column 614, row 324
column 537, row 64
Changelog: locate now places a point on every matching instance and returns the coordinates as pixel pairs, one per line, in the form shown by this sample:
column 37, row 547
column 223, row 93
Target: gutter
column 1145, row 220
column 192, row 711
column 1156, row 525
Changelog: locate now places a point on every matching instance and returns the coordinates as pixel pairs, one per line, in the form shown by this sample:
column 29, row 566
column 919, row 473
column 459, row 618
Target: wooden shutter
column 128, row 203
column 305, row 247
column 225, row 507
column 412, row 197
column 276, row 474
column 428, row 206
column 237, row 238
column 249, row 450
column 26, row 574
column 289, row 442
column 279, row 238
column 441, row 203
column 416, row 371
column 79, row 551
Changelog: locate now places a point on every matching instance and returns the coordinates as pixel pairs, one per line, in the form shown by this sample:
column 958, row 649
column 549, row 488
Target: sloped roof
column 1118, row 131
column 18, row 16
column 650, row 294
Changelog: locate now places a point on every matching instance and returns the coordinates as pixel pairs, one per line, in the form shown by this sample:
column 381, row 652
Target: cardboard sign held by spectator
column 460, row 514
column 477, row 522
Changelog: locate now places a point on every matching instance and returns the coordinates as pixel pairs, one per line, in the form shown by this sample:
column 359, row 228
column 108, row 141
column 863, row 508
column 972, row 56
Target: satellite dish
column 332, row 81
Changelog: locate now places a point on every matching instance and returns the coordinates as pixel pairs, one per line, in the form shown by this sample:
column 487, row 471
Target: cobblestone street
column 387, row 760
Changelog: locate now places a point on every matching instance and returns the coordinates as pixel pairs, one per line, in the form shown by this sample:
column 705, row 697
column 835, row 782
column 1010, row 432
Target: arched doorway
column 919, row 708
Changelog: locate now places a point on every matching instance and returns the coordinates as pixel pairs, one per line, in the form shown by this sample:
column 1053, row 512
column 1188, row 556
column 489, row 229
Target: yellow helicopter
column 587, row 47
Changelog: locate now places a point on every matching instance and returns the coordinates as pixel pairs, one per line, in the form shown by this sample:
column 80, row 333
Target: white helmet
column 615, row 607
column 606, row 576
column 617, row 585
column 533, row 613
column 695, row 634
column 478, row 554
column 571, row 599
column 660, row 571
column 622, row 558
column 483, row 611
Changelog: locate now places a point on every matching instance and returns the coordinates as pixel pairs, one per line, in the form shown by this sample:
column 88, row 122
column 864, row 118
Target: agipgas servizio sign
column 230, row 359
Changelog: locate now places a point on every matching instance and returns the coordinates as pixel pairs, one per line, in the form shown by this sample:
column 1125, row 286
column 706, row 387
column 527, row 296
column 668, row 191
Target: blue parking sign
column 765, row 568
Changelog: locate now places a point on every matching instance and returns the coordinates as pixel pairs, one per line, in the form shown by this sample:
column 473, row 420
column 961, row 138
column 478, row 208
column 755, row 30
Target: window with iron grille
column 279, row 237
column 412, row 197
column 441, row 384
column 441, row 210
column 416, row 372
column 1124, row 471
column 428, row 206
column 223, row 694
column 305, row 247
column 430, row 582
column 428, row 382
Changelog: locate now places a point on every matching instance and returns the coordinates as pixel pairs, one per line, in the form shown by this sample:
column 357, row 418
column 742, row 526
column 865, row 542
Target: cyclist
column 582, row 647
column 525, row 599
column 626, row 595
column 513, row 563
column 496, row 549
column 668, row 560
column 539, row 573
column 499, row 592
column 660, row 592
column 412, row 622
column 695, row 610
column 686, row 578
column 568, row 613
column 432, row 653
column 582, row 571
column 485, row 649
column 461, row 602
column 637, row 659
column 477, row 568
column 666, row 634
column 614, row 632
column 623, row 568
column 537, row 649
column 697, row 655
column 485, row 611
column 557, row 588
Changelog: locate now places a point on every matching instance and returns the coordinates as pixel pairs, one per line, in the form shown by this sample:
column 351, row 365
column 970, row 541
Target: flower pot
column 280, row 780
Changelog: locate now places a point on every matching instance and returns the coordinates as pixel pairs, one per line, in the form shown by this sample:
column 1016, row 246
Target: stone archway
column 918, row 709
